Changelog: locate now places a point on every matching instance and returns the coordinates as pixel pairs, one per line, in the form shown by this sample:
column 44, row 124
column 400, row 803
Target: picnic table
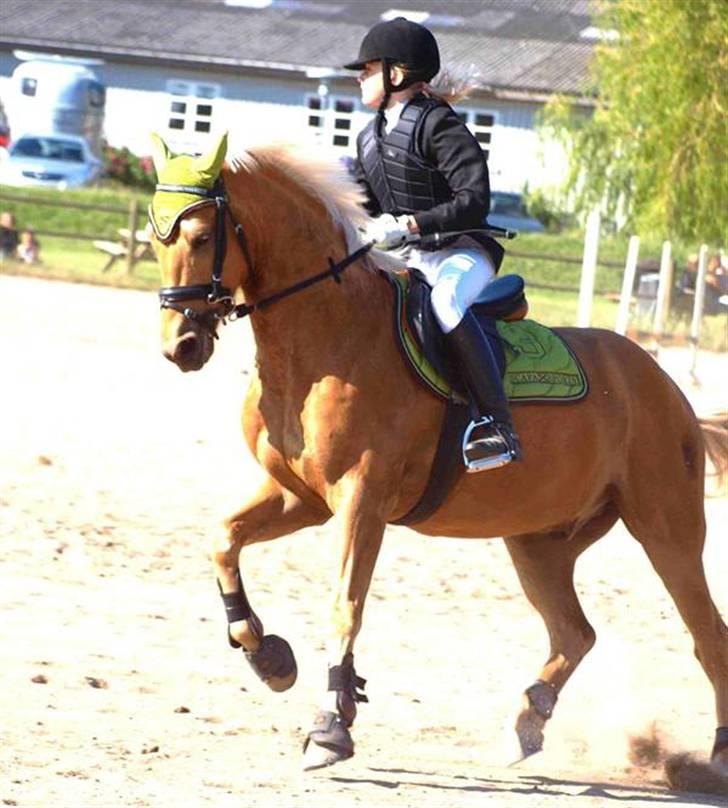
column 140, row 246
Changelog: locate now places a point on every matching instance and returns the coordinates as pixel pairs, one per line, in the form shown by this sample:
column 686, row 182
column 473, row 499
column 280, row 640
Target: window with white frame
column 191, row 106
column 480, row 123
column 331, row 119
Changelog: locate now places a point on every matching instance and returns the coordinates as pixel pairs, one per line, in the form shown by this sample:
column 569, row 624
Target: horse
column 345, row 432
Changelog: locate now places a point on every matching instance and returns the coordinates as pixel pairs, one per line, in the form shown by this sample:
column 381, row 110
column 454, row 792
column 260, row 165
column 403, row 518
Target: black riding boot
column 490, row 441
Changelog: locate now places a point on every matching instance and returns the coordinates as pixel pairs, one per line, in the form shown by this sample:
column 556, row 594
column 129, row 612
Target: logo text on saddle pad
column 536, row 377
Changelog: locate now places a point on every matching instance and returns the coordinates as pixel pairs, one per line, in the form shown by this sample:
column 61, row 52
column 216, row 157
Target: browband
column 197, row 190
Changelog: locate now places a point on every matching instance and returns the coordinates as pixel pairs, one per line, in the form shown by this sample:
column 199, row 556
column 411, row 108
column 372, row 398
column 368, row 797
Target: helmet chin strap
column 384, row 103
column 381, row 112
column 388, row 90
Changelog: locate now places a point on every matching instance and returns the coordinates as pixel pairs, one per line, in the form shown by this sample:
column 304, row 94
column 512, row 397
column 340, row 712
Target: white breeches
column 457, row 277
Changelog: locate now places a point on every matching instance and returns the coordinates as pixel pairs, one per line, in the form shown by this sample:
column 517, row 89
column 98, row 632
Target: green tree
column 656, row 143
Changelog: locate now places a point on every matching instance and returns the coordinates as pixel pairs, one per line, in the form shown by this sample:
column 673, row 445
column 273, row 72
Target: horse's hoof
column 719, row 755
column 686, row 773
column 538, row 707
column 328, row 742
column 719, row 765
column 529, row 728
column 274, row 663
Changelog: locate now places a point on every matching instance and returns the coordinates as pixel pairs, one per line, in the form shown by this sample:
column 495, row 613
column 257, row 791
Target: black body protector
column 399, row 176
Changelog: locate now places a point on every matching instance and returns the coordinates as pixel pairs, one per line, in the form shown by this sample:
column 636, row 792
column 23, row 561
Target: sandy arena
column 117, row 684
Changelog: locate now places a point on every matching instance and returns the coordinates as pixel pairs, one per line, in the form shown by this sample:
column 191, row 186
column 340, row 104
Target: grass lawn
column 78, row 260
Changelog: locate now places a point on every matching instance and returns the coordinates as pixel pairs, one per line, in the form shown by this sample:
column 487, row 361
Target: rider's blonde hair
column 452, row 83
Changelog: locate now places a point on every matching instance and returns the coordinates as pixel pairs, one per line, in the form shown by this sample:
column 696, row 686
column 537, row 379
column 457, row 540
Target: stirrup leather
column 484, row 463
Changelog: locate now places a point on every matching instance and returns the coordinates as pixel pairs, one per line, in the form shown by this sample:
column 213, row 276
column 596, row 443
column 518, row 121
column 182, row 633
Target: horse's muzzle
column 190, row 350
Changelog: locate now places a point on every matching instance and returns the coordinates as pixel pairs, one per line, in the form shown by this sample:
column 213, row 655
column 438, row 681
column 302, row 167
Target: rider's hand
column 387, row 232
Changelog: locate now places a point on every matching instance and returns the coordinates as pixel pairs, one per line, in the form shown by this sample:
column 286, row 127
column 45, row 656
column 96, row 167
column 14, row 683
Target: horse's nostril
column 186, row 348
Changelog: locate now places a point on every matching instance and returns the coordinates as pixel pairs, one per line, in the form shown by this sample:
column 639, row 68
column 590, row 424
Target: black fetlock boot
column 490, row 441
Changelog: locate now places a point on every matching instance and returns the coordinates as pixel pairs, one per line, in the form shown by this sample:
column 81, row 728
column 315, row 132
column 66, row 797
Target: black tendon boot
column 489, row 441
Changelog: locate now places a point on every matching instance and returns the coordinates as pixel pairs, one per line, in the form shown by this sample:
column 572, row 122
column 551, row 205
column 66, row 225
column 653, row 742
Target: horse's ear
column 210, row 163
column 160, row 152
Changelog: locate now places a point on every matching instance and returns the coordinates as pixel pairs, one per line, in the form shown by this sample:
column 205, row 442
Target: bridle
column 214, row 293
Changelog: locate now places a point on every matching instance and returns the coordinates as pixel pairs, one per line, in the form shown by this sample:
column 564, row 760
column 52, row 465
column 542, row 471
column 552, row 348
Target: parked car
column 4, row 128
column 56, row 161
column 509, row 210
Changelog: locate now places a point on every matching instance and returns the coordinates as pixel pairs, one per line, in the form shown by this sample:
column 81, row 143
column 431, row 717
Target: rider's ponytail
column 452, row 83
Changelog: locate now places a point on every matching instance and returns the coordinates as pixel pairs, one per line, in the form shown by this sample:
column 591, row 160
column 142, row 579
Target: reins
column 334, row 271
column 214, row 292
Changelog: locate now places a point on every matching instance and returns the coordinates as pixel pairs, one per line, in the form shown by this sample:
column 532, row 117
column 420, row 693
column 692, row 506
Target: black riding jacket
column 429, row 165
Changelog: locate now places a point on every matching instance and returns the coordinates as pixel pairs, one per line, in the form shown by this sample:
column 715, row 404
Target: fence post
column 588, row 269
column 698, row 304
column 662, row 304
column 131, row 245
column 625, row 297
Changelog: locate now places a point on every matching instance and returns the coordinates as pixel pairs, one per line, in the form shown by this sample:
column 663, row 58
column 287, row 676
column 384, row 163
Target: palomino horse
column 344, row 430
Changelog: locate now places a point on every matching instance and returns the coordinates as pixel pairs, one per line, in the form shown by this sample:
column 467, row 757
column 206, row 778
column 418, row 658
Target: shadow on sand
column 533, row 785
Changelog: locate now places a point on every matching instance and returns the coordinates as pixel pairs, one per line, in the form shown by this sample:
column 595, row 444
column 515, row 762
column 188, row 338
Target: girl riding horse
column 424, row 172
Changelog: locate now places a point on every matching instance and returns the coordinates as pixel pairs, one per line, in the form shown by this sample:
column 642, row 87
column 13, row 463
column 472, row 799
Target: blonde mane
column 325, row 179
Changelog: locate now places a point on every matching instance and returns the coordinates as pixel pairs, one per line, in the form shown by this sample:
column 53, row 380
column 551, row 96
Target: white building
column 270, row 69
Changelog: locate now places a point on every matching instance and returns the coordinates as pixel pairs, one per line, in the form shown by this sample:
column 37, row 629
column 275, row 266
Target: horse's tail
column 715, row 434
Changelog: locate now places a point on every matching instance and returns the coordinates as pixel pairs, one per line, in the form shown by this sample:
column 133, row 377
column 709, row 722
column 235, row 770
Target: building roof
column 526, row 46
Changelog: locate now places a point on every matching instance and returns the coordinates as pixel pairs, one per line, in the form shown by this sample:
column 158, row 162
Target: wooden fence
column 133, row 217
column 131, row 211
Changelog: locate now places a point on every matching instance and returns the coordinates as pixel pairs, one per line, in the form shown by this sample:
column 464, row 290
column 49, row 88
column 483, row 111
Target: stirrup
column 485, row 463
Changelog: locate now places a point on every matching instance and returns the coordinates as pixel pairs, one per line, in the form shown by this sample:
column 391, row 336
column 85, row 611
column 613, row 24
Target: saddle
column 502, row 299
column 535, row 363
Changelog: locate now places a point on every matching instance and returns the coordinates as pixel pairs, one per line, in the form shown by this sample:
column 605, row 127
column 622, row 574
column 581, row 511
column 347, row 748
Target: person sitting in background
column 28, row 248
column 8, row 235
column 717, row 275
column 689, row 275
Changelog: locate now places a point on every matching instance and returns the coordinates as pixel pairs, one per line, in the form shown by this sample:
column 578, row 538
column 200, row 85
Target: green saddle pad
column 539, row 364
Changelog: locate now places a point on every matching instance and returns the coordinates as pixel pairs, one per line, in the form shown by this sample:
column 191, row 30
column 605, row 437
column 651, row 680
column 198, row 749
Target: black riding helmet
column 403, row 42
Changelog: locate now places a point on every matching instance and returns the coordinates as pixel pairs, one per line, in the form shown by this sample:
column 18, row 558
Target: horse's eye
column 199, row 240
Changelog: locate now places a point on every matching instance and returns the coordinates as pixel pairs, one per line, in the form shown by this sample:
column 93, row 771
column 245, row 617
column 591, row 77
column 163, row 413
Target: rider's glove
column 387, row 232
